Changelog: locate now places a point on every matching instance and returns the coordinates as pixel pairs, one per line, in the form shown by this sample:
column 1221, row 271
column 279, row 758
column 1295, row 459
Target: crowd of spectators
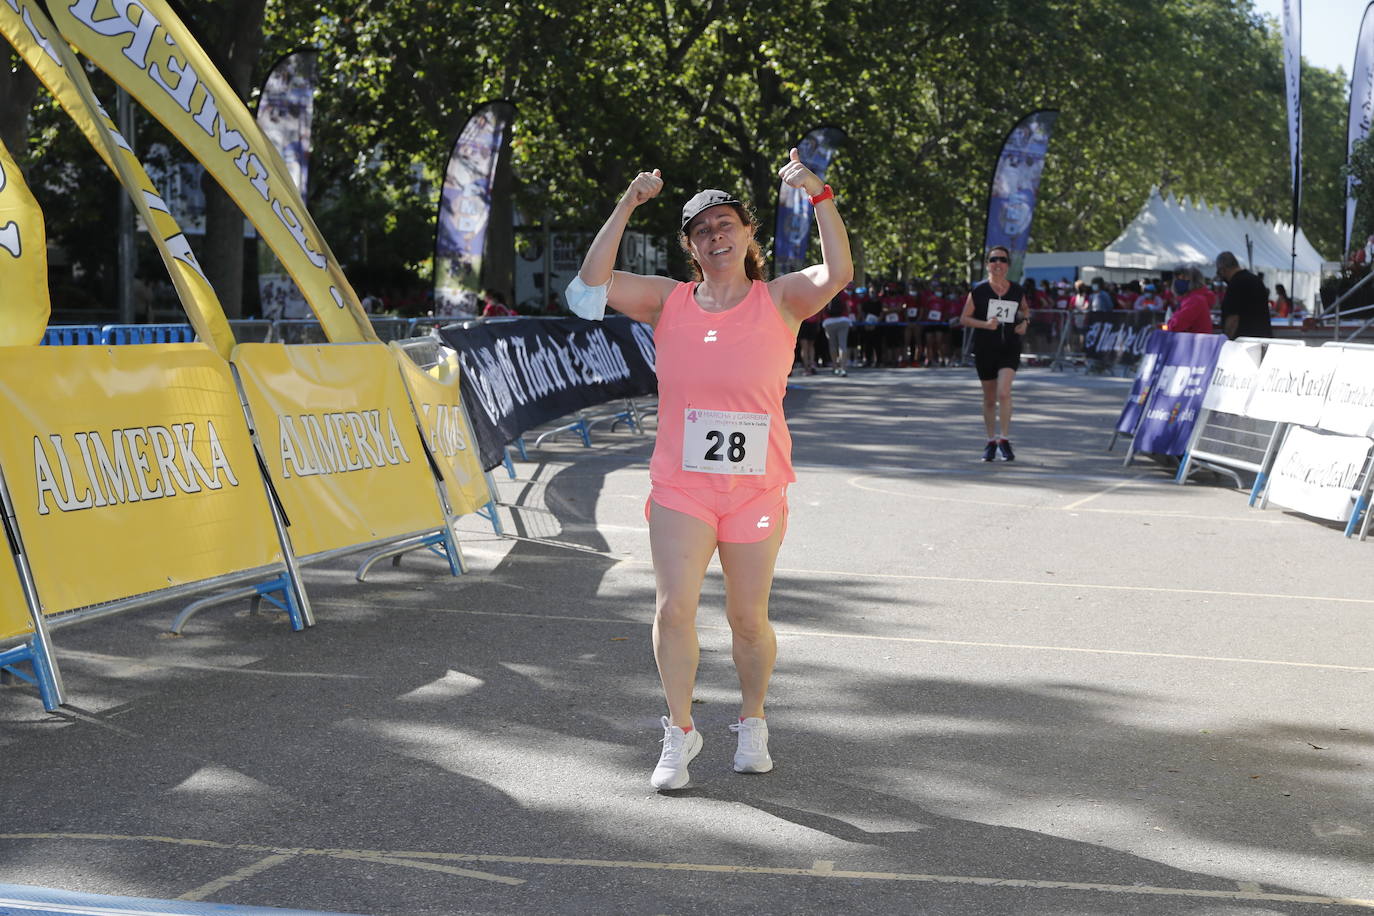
column 893, row 323
column 915, row 324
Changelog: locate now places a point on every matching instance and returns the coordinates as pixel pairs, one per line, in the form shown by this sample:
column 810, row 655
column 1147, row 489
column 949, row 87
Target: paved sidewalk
column 1051, row 686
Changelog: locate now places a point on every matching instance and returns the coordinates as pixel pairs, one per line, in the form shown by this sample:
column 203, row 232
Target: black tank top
column 1005, row 335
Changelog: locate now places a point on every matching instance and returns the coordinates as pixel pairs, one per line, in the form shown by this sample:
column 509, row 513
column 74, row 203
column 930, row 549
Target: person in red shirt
column 1128, row 294
column 1281, row 306
column 911, row 333
column 1194, row 312
column 495, row 306
column 934, row 323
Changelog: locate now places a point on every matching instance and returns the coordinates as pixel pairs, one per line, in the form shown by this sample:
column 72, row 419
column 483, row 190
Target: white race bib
column 912, row 312
column 1004, row 310
column 933, row 315
column 892, row 317
column 724, row 441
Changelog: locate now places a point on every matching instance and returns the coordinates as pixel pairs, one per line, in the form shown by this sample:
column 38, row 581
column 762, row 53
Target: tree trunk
column 17, row 92
column 498, row 259
column 233, row 37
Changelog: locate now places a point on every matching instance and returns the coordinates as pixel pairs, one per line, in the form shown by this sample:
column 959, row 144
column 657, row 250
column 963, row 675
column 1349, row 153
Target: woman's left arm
column 802, row 293
column 1023, row 317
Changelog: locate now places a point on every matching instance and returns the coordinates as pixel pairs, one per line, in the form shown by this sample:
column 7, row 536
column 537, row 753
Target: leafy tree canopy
column 1184, row 95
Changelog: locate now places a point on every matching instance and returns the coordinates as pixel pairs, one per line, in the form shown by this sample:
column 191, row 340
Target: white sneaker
column 751, row 756
column 679, row 748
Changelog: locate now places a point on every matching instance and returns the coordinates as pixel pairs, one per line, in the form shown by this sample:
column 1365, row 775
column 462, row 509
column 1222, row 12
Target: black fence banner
column 1118, row 338
column 522, row 373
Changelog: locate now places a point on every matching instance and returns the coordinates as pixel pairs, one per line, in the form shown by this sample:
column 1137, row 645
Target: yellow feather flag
column 24, row 308
column 36, row 39
column 149, row 51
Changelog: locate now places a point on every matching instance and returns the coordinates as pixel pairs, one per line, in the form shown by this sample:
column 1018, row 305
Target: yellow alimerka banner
column 131, row 470
column 439, row 409
column 340, row 441
column 149, row 51
column 36, row 40
column 24, row 308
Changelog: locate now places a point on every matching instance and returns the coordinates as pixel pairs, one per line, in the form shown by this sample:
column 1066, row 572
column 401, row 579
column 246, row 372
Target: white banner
column 1237, row 368
column 1292, row 78
column 1361, row 112
column 1318, row 473
column 1292, row 385
column 1349, row 404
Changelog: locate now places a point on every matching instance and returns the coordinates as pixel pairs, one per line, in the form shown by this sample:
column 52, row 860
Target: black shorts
column 990, row 361
column 809, row 330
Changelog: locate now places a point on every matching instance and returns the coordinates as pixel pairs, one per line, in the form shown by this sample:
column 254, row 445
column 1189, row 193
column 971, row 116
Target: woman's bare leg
column 681, row 547
column 748, row 580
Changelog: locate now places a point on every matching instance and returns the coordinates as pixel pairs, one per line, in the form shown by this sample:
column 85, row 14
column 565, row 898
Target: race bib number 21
column 724, row 441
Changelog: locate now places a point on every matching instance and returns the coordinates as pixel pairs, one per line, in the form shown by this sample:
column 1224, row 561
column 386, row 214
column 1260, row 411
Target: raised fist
column 645, row 186
column 796, row 175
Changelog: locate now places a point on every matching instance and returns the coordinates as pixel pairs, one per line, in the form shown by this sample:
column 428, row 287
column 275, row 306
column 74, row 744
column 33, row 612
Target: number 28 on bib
column 724, row 441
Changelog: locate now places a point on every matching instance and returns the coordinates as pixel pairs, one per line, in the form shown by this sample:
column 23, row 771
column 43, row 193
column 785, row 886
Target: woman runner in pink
column 722, row 460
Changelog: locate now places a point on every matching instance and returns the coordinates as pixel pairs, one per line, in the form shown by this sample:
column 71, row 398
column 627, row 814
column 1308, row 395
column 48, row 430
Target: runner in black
column 997, row 311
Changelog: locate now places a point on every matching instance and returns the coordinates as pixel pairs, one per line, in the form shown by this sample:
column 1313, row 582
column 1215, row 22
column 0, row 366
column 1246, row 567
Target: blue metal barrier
column 247, row 330
column 68, row 334
column 146, row 333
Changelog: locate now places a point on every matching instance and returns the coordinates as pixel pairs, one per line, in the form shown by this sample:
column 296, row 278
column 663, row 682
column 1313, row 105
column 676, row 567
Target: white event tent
column 1169, row 233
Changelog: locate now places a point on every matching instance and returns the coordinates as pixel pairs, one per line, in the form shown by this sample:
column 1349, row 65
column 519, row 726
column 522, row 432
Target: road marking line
column 1083, row 585
column 817, row 634
column 1249, row 886
column 1116, row 486
column 974, row 580
column 1252, row 518
column 277, row 856
column 248, row 871
column 427, row 866
column 101, row 658
column 817, row 870
column 1147, row 890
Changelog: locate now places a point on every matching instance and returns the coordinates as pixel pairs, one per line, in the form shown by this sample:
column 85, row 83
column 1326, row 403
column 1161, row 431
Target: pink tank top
column 721, row 380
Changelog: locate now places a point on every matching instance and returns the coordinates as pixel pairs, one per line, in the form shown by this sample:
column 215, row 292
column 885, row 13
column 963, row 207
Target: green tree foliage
column 1184, row 95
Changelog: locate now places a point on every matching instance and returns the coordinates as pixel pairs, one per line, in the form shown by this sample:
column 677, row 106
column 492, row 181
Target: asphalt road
column 1053, row 686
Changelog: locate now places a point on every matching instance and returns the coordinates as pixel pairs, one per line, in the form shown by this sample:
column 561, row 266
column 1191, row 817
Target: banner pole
column 295, row 589
column 45, row 671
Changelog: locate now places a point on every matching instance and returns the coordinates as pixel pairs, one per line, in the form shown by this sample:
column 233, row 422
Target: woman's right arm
column 967, row 320
column 634, row 295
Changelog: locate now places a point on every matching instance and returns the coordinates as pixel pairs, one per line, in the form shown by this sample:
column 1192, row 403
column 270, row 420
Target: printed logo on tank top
column 763, row 521
column 710, row 336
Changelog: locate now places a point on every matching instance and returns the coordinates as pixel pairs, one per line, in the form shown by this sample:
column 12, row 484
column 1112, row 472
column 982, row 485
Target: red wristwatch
column 826, row 194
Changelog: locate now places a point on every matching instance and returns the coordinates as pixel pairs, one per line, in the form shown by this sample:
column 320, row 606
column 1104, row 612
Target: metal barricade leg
column 43, row 676
column 440, row 542
column 1259, row 491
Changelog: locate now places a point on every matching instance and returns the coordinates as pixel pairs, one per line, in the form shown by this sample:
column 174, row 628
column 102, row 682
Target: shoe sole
column 686, row 776
column 755, row 768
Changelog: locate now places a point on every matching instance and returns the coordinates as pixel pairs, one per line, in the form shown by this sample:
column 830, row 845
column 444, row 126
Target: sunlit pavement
column 1055, row 685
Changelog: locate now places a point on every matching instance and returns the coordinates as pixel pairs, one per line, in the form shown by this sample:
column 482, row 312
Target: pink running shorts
column 743, row 515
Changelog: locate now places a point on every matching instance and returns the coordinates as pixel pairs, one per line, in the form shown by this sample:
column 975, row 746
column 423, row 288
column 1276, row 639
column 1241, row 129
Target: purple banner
column 286, row 109
column 1292, row 79
column 1176, row 397
column 1016, row 186
column 1361, row 113
column 793, row 232
column 465, row 209
column 1158, row 348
